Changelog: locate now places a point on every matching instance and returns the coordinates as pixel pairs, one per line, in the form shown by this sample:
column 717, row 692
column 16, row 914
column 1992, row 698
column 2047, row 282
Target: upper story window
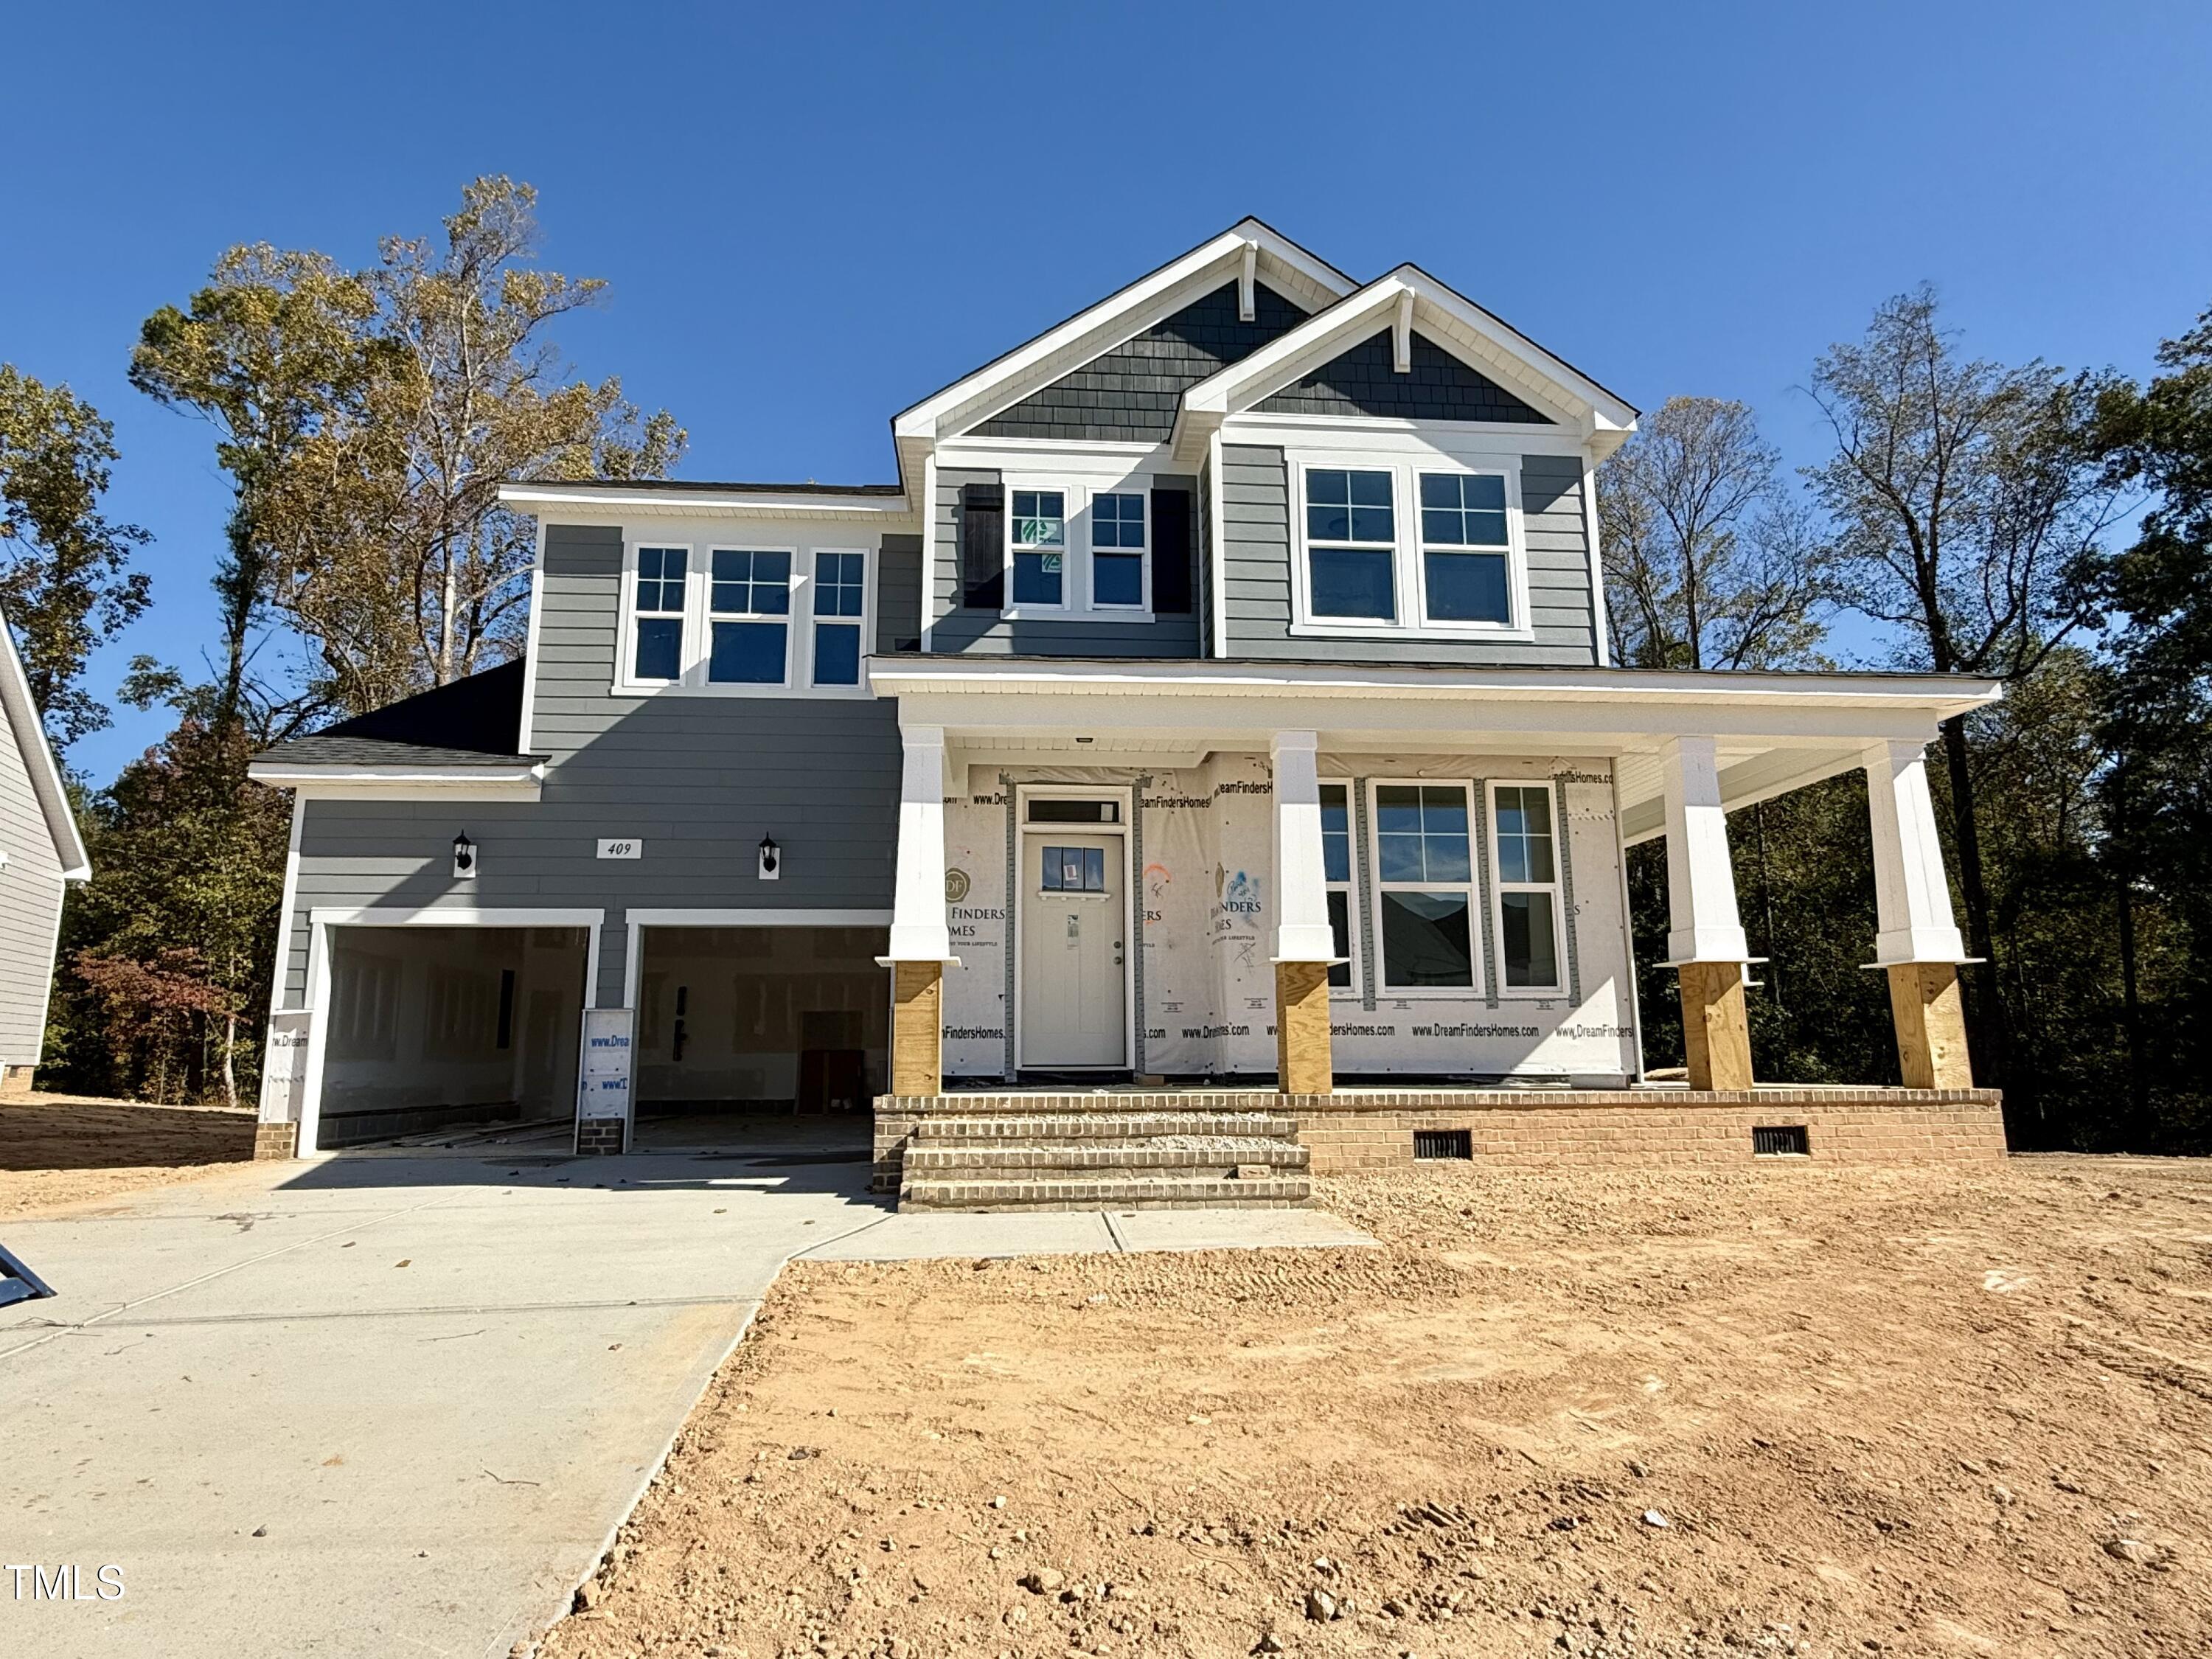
column 1351, row 544
column 658, row 652
column 743, row 621
column 1117, row 549
column 1039, row 528
column 1422, row 543
column 749, row 607
column 840, row 593
column 1465, row 553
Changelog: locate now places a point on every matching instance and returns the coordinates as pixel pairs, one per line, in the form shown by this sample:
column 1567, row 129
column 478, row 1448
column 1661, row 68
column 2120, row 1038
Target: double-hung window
column 1038, row 526
column 748, row 615
column 1528, row 920
column 1336, row 872
column 1117, row 549
column 1351, row 544
column 657, row 653
column 841, row 601
column 1424, row 885
column 1464, row 557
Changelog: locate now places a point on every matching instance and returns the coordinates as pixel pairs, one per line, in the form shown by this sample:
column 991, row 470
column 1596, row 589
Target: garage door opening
column 752, row 1022
column 434, row 1028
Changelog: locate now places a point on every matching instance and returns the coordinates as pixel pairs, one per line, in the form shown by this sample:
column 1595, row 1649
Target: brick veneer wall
column 1537, row 1129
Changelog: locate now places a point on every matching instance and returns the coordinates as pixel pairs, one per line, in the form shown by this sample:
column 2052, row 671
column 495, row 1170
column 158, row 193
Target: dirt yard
column 62, row 1149
column 1785, row 1411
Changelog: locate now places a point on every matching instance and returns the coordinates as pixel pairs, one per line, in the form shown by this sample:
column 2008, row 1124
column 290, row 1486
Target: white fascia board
column 1117, row 318
column 587, row 504
column 372, row 782
column 1591, row 412
column 1940, row 695
column 21, row 712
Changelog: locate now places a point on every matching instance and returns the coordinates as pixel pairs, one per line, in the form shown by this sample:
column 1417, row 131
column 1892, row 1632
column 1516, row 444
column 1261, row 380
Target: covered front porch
column 1341, row 885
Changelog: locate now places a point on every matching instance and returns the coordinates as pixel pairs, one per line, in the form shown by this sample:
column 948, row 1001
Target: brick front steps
column 1104, row 1160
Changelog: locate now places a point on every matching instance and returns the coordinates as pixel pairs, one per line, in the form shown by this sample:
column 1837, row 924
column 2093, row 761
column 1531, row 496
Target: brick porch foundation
column 1541, row 1129
column 276, row 1140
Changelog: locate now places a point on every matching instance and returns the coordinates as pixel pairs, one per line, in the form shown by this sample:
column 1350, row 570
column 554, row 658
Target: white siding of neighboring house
column 30, row 907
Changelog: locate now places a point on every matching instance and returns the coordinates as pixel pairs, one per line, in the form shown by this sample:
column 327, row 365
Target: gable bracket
column 1402, row 335
column 1246, row 302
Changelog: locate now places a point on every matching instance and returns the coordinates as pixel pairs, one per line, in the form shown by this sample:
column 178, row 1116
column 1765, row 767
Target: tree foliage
column 66, row 583
column 368, row 418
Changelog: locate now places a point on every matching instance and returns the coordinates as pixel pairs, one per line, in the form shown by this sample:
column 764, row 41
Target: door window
column 1074, row 869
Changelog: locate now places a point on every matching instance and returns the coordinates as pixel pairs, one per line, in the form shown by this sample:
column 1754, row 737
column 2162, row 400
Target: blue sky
column 813, row 216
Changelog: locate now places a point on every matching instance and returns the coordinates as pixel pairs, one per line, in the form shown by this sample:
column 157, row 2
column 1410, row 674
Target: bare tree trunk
column 1985, row 1009
column 230, row 1060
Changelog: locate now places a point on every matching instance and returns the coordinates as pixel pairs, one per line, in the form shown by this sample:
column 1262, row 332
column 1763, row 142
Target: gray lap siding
column 1257, row 551
column 699, row 779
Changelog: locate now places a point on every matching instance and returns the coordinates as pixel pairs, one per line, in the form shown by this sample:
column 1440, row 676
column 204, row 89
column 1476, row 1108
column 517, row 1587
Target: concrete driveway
column 380, row 1404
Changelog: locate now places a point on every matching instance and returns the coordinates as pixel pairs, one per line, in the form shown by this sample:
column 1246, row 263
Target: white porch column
column 1705, row 943
column 1304, row 943
column 918, row 926
column 1700, row 879
column 1301, row 930
column 920, row 944
column 1911, row 894
column 1917, row 940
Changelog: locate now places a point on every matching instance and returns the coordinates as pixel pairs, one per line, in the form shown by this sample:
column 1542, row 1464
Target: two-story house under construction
column 1218, row 701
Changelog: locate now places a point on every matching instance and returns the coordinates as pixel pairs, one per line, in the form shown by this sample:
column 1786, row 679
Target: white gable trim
column 1406, row 301
column 1119, row 317
column 45, row 772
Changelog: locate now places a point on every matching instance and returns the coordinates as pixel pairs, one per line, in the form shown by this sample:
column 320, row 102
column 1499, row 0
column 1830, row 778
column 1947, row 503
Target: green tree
column 1964, row 499
column 66, row 584
column 369, row 419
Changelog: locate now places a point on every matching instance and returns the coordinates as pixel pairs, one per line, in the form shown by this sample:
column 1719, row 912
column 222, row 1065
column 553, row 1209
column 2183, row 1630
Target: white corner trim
column 1217, row 550
column 1600, row 619
column 530, row 643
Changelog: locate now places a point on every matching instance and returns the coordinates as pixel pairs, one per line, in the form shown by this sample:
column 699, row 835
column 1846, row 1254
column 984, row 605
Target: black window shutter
column 983, row 547
column 1172, row 552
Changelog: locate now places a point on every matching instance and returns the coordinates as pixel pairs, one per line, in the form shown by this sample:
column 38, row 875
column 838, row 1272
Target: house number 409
column 626, row 847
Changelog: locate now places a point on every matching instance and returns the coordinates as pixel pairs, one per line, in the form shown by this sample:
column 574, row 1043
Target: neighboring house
column 41, row 853
column 1220, row 693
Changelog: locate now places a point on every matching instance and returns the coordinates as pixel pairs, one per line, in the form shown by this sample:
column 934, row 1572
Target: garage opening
column 431, row 1027
column 752, row 1022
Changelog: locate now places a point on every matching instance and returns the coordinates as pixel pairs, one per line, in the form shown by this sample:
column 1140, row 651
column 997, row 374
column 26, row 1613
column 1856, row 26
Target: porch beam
column 1705, row 943
column 1304, row 944
column 1917, row 943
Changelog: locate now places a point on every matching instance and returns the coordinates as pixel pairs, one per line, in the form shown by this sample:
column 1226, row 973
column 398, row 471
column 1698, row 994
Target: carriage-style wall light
column 771, row 859
column 465, row 858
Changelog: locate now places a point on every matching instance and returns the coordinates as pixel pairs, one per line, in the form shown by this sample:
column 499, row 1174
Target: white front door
column 1075, row 920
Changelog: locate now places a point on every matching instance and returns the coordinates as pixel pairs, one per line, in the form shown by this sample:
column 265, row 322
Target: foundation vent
column 1443, row 1143
column 1780, row 1140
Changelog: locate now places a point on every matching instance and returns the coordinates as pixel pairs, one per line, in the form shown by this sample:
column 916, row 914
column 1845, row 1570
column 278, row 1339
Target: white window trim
column 698, row 619
column 865, row 621
column 1477, row 909
column 1078, row 600
column 1500, row 887
column 1349, row 888
column 626, row 678
column 1408, row 576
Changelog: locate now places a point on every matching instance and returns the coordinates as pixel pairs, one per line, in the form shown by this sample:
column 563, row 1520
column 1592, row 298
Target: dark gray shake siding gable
column 1256, row 549
column 700, row 780
column 1132, row 392
column 986, row 633
column 1438, row 386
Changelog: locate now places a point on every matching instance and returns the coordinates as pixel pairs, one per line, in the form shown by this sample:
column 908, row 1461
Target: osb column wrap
column 1715, row 1032
column 276, row 1140
column 1931, row 1025
column 1301, row 1057
column 917, row 1027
